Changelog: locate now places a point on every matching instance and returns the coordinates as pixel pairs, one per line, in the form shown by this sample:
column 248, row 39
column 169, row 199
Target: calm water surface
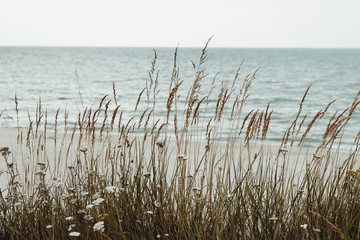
column 57, row 74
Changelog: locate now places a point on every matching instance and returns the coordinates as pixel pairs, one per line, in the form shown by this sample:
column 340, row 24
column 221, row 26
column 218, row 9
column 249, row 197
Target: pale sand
column 297, row 157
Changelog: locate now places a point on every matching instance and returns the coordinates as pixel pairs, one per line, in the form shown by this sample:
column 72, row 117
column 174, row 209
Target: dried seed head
column 84, row 150
column 284, row 150
column 182, row 157
column 5, row 151
column 160, row 144
column 40, row 173
column 41, row 165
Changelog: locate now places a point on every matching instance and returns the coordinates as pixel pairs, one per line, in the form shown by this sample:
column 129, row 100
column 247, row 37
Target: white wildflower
column 69, row 218
column 74, row 234
column 48, row 226
column 158, row 236
column 90, row 206
column 98, row 201
column 71, row 227
column 99, row 226
column 96, row 196
column 304, row 226
column 110, row 189
column 88, row 218
column 149, row 212
column 166, row 235
column 82, row 211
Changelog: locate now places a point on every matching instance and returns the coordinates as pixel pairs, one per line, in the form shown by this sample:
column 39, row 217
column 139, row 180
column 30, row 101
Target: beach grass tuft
column 112, row 175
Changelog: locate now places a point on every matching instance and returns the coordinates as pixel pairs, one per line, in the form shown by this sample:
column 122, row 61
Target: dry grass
column 139, row 177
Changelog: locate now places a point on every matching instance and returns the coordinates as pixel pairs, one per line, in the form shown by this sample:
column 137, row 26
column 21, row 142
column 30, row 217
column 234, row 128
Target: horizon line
column 229, row 47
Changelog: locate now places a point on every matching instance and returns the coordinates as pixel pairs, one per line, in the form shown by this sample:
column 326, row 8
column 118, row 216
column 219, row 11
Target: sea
column 73, row 78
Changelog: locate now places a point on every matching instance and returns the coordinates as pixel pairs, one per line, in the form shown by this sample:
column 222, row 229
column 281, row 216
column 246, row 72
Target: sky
column 189, row 23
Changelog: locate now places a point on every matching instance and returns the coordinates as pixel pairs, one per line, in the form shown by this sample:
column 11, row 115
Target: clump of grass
column 142, row 177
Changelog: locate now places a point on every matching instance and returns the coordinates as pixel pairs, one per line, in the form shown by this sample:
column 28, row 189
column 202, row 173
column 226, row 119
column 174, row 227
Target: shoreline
column 297, row 156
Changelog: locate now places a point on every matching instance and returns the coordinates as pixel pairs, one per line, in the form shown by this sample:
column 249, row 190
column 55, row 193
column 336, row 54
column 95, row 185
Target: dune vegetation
column 111, row 176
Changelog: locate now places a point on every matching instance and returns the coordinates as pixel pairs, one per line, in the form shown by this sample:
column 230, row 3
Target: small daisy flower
column 98, row 201
column 90, row 206
column 71, row 227
column 110, row 189
column 99, row 226
column 85, row 193
column 74, row 234
column 304, row 226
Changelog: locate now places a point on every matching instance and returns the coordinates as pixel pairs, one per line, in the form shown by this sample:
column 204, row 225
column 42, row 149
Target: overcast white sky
column 156, row 23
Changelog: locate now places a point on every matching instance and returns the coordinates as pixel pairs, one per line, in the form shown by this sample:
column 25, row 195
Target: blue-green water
column 49, row 73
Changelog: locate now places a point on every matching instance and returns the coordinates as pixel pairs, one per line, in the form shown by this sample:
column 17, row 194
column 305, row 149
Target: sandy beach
column 69, row 152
